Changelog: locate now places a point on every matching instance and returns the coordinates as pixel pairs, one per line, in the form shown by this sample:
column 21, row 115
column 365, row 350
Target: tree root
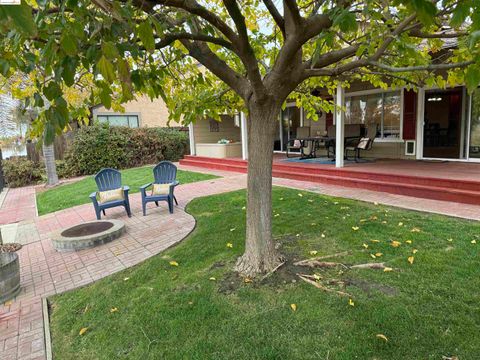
column 304, row 262
column 270, row 273
column 313, row 263
column 318, row 285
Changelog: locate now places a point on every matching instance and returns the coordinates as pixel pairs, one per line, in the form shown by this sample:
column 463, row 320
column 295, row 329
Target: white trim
column 452, row 160
column 469, row 126
column 389, row 140
column 462, row 124
column 340, row 127
column 420, row 122
column 191, row 137
column 371, row 91
column 244, row 134
column 414, row 147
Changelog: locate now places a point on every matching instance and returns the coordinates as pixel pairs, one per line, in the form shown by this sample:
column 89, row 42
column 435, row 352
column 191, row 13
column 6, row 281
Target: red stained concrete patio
column 45, row 272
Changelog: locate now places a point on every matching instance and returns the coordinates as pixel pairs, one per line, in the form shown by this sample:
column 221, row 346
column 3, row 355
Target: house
column 141, row 112
column 427, row 142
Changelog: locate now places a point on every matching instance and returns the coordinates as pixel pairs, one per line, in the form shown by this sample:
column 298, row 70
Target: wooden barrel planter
column 9, row 276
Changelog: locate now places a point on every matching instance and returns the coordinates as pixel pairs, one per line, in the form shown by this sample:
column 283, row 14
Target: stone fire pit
column 9, row 276
column 87, row 235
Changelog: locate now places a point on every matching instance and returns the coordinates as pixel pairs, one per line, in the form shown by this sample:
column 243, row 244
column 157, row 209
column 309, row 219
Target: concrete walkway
column 45, row 272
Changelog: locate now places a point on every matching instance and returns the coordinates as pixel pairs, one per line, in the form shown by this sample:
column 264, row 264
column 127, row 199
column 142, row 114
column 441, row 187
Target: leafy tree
column 254, row 55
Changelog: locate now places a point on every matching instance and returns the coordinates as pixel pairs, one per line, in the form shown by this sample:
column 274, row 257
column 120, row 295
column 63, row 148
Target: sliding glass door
column 474, row 146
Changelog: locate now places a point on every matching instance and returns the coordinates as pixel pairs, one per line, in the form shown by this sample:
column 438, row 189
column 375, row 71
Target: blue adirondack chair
column 164, row 173
column 110, row 179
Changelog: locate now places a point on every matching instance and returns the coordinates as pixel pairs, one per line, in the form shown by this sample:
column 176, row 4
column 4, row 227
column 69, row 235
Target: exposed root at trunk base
column 251, row 267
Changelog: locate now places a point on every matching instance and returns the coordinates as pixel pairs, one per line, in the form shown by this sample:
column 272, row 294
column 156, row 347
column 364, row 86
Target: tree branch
column 430, row 67
column 170, row 38
column 245, row 50
column 440, row 35
column 277, row 17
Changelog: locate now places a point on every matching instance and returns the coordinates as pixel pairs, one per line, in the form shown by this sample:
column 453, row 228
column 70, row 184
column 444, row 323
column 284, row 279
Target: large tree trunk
column 260, row 254
column 50, row 167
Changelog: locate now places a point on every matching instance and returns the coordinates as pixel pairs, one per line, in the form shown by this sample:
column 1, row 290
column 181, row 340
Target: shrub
column 20, row 171
column 100, row 146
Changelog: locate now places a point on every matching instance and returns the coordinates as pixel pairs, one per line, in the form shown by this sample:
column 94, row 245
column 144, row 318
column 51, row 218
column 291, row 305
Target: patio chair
column 110, row 192
column 365, row 143
column 297, row 143
column 165, row 174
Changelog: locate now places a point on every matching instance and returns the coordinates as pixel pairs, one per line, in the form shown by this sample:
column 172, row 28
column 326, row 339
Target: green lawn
column 427, row 309
column 68, row 195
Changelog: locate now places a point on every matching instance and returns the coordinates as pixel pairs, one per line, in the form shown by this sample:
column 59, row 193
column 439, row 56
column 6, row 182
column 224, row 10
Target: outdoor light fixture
column 434, row 99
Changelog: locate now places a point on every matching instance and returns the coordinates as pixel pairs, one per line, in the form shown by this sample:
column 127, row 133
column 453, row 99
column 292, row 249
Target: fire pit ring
column 87, row 235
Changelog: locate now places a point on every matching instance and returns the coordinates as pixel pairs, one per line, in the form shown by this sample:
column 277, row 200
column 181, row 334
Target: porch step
column 463, row 191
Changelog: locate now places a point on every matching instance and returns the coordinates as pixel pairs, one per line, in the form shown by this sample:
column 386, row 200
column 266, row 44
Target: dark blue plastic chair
column 110, row 179
column 164, row 173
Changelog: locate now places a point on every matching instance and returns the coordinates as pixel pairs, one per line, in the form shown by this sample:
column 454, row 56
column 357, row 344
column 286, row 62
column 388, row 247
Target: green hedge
column 99, row 146
column 22, row 172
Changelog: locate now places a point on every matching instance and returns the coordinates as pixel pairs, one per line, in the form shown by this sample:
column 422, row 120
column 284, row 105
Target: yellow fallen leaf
column 375, row 203
column 294, row 307
column 387, row 269
column 335, row 202
column 244, row 208
column 473, row 241
column 212, row 279
column 414, row 251
column 408, row 241
column 316, row 276
column 365, row 246
column 373, row 256
column 280, row 199
column 384, row 222
column 83, row 331
column 313, row 224
column 173, row 263
column 112, row 310
column 310, row 200
column 411, row 259
column 297, row 235
column 378, row 254
column 373, row 217
column 230, row 245
column 126, row 279
column 190, row 303
column 450, row 240
column 383, row 337
column 395, row 243
column 299, row 194
column 233, row 229
column 247, row 280
column 415, row 230
column 276, row 215
column 400, row 224
column 375, row 241
column 350, row 302
column 313, row 252
column 323, row 235
column 363, row 220
column 355, row 228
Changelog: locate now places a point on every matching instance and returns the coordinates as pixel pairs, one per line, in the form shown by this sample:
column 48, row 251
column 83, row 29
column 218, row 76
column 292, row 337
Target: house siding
column 226, row 130
column 150, row 113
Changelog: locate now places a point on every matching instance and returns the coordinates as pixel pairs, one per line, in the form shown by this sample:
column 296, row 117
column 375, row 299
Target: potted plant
column 9, row 270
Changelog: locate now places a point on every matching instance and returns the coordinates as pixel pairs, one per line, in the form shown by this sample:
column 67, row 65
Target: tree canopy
column 112, row 50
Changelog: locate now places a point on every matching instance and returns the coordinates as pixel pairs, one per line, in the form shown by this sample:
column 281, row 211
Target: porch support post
column 244, row 132
column 420, row 122
column 339, row 127
column 191, row 137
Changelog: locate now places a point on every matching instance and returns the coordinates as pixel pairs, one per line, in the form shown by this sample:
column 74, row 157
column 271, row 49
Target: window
column 382, row 110
column 119, row 120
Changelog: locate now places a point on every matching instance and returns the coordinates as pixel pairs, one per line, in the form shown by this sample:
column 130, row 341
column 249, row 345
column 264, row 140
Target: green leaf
column 473, row 39
column 145, row 33
column 106, row 68
column 472, row 77
column 22, row 17
column 425, row 10
column 109, row 50
column 52, row 91
column 38, row 100
column 69, row 44
column 460, row 14
column 69, row 66
column 4, row 67
column 105, row 98
column 346, row 21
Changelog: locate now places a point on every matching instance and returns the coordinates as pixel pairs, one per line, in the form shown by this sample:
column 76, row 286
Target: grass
column 427, row 309
column 68, row 195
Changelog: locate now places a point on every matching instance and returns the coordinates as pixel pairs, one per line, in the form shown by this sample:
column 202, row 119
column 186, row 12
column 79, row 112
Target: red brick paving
column 45, row 272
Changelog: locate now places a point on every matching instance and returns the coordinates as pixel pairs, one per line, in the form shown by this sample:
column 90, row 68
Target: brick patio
column 45, row 272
